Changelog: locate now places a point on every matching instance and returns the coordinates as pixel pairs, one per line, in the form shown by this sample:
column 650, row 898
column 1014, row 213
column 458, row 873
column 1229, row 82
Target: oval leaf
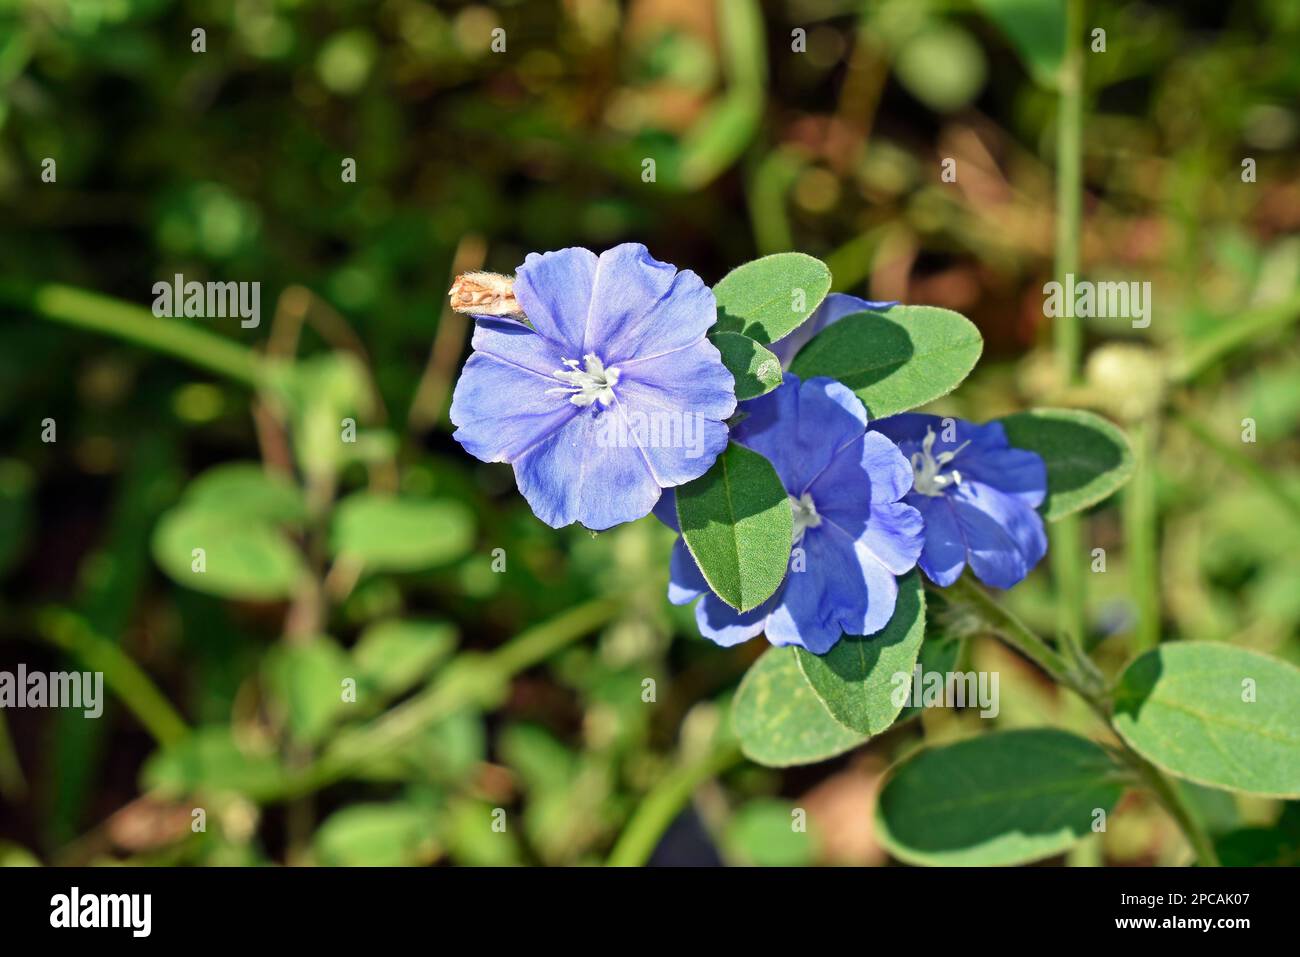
column 756, row 370
column 1087, row 458
column 737, row 523
column 209, row 759
column 1036, row 28
column 779, row 719
column 1214, row 714
column 855, row 679
column 244, row 491
column 377, row 835
column 895, row 359
column 769, row 298
column 394, row 655
column 1005, row 798
column 401, row 534
column 248, row 560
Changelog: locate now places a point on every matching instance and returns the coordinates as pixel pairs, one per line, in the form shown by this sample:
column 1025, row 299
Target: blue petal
column 570, row 476
column 501, row 409
column 685, row 581
column 833, row 308
column 666, row 509
column 555, row 291
column 642, row 307
column 1016, row 472
column 800, row 427
column 944, row 555
column 723, row 625
column 1004, row 537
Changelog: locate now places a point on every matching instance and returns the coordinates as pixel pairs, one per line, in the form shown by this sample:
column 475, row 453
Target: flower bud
column 485, row 294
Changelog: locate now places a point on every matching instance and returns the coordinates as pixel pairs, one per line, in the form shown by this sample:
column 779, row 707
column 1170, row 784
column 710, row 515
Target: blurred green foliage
column 427, row 579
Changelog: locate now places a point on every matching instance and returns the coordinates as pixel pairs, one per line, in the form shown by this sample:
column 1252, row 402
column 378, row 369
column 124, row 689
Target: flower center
column 805, row 516
column 926, row 466
column 585, row 385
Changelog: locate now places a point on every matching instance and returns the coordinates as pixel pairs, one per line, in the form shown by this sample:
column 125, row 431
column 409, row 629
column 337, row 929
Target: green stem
column 466, row 681
column 122, row 320
column 1069, row 185
column 1141, row 535
column 665, row 801
column 131, row 685
column 1247, row 328
column 1018, row 635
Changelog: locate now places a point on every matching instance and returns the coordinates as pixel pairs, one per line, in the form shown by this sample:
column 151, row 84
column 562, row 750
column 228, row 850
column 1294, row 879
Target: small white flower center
column 805, row 516
column 585, row 385
column 926, row 467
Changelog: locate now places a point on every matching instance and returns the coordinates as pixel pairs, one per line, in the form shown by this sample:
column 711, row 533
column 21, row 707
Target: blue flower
column 852, row 535
column 608, row 395
column 978, row 497
column 833, row 308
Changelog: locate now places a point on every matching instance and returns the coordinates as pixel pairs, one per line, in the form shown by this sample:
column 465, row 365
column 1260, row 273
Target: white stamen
column 805, row 516
column 585, row 385
column 926, row 467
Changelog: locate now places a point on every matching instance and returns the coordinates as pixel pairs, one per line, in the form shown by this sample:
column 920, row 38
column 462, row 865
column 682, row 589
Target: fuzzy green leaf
column 895, row 359
column 1214, row 714
column 756, row 369
column 401, row 534
column 1004, row 798
column 246, row 560
column 779, row 719
column 737, row 523
column 1087, row 458
column 769, row 298
column 855, row 679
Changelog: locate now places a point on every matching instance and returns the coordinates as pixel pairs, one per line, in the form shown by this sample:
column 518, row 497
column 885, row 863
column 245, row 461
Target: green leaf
column 1214, row 714
column 761, row 834
column 779, row 719
column 769, row 298
column 756, row 369
column 1087, row 457
column 246, row 560
column 209, row 760
column 895, row 359
column 942, row 66
column 1036, row 28
column 737, row 522
column 307, row 680
column 244, row 491
column 855, row 679
column 1004, row 798
column 377, row 835
column 400, row 534
column 392, row 656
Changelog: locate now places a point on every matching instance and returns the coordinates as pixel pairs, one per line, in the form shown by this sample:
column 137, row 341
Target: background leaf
column 307, row 681
column 896, row 359
column 737, row 522
column 755, row 368
column 246, row 492
column 854, row 680
column 1087, row 458
column 1180, row 706
column 779, row 719
column 762, row 298
column 392, row 656
column 761, row 834
column 1036, row 29
column 1004, row 798
column 401, row 534
column 253, row 561
column 377, row 835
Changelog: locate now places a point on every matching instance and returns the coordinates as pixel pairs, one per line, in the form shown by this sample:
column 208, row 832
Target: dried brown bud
column 485, row 294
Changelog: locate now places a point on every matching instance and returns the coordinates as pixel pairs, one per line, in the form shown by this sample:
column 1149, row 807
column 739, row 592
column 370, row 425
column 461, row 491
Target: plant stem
column 1141, row 535
column 132, row 686
column 1244, row 329
column 122, row 320
column 665, row 801
column 1018, row 635
column 467, row 680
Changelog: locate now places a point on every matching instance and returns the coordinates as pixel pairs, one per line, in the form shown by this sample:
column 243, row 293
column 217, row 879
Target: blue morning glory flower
column 852, row 534
column 978, row 497
column 608, row 395
column 833, row 308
